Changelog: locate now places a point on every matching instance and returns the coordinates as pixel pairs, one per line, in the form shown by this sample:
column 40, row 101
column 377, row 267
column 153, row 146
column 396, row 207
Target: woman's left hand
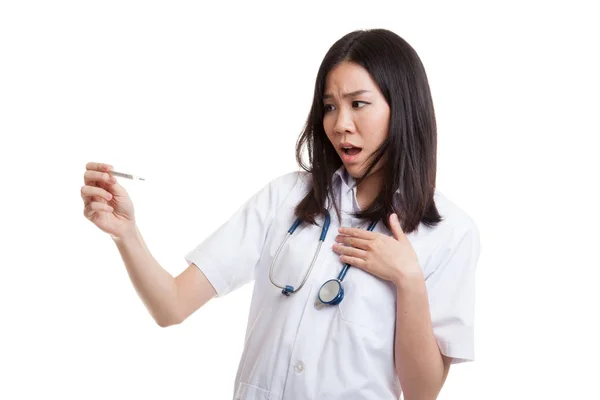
column 389, row 258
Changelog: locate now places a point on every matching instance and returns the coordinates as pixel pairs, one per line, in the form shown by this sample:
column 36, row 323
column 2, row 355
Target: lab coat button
column 299, row 367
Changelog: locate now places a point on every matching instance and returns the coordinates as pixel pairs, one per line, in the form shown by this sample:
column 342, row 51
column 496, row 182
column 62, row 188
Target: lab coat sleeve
column 229, row 255
column 451, row 293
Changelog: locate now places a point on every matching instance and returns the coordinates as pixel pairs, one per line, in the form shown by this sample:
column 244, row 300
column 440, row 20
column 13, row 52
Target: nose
column 343, row 122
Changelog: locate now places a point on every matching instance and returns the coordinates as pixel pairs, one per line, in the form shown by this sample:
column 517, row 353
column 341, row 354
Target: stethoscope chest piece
column 331, row 292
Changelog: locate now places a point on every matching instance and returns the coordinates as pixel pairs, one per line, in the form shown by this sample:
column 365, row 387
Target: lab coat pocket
column 369, row 302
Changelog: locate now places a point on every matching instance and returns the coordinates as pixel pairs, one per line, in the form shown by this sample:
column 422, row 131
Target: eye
column 329, row 107
column 358, row 104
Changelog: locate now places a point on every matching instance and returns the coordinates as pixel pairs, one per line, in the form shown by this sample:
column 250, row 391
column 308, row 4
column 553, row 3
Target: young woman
column 363, row 271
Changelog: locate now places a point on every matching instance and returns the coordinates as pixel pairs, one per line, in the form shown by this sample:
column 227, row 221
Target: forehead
column 348, row 77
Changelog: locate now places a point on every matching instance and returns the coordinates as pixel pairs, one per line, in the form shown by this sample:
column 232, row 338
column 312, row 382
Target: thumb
column 395, row 226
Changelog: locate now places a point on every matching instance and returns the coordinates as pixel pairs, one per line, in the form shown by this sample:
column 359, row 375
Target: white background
column 206, row 102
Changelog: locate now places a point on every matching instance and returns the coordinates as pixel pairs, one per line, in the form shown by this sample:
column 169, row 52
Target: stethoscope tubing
column 288, row 289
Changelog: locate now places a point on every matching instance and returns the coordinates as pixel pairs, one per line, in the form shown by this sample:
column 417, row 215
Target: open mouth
column 352, row 151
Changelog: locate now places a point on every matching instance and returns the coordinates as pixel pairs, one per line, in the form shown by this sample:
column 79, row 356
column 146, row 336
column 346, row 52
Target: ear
column 395, row 225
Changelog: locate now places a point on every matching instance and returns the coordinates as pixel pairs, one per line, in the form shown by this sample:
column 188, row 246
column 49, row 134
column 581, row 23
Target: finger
column 358, row 233
column 95, row 207
column 92, row 178
column 353, row 241
column 395, row 226
column 88, row 192
column 91, row 199
column 94, row 166
column 355, row 262
column 87, row 200
column 349, row 251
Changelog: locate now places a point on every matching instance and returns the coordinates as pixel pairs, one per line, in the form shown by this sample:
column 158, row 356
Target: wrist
column 409, row 276
column 126, row 236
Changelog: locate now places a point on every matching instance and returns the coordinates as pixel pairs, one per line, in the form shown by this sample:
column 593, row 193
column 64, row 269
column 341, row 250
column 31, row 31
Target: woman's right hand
column 106, row 203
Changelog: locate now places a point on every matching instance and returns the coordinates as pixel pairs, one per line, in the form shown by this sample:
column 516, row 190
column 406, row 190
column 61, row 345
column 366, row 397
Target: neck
column 367, row 191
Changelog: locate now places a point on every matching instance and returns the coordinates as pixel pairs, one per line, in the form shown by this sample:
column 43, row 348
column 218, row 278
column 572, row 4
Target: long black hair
column 409, row 151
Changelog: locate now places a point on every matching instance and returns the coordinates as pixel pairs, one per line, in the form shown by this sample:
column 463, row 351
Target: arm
column 169, row 300
column 420, row 366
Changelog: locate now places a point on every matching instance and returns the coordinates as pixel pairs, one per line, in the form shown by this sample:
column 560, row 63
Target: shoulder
column 454, row 216
column 455, row 238
column 290, row 183
column 456, row 225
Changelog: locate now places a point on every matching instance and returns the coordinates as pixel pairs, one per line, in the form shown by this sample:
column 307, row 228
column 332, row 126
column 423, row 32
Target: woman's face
column 356, row 118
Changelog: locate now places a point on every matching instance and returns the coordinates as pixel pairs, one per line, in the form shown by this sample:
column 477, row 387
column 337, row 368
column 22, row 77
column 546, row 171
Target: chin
column 357, row 171
column 354, row 171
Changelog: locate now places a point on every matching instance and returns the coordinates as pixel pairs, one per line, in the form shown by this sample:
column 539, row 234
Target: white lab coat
column 297, row 349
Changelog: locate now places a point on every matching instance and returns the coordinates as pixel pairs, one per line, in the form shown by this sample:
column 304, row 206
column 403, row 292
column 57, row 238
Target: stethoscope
column 331, row 292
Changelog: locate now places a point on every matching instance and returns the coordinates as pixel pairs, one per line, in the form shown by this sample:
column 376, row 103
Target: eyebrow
column 351, row 94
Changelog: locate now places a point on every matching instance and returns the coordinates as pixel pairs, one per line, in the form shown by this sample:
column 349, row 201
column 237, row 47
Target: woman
column 407, row 308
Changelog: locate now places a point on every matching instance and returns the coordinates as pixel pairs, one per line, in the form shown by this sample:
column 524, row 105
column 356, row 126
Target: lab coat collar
column 346, row 180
